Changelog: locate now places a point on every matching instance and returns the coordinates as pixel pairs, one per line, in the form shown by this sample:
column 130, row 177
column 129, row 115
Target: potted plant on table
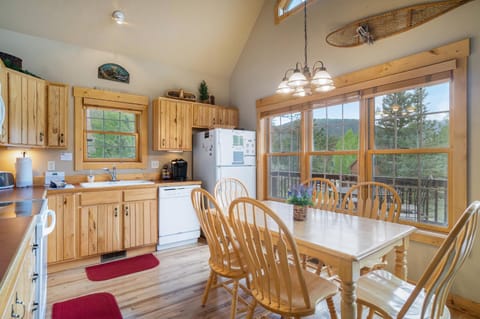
column 300, row 196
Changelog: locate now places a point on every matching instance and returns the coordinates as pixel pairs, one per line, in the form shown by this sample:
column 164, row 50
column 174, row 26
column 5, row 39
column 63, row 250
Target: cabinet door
column 27, row 110
column 4, row 94
column 230, row 117
column 20, row 303
column 62, row 241
column 172, row 125
column 204, row 115
column 57, row 110
column 15, row 107
column 140, row 223
column 100, row 229
column 183, row 126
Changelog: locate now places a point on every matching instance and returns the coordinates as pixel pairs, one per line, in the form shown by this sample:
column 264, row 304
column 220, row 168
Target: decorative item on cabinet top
column 113, row 72
column 180, row 94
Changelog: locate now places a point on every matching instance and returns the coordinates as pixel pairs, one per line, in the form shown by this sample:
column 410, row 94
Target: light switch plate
column 155, row 164
column 51, row 165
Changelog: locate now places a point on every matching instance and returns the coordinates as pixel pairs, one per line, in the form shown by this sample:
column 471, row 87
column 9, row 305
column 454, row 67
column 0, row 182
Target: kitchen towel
column 121, row 267
column 100, row 305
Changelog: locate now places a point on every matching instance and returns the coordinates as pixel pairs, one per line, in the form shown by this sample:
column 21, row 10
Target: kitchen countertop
column 13, row 230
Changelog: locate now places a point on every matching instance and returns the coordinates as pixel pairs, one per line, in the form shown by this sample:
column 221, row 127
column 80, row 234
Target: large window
column 410, row 149
column 284, row 151
column 405, row 128
column 110, row 129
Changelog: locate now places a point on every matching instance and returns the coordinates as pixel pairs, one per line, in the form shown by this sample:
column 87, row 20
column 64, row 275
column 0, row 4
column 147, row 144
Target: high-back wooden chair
column 276, row 278
column 227, row 189
column 372, row 200
column 324, row 196
column 324, row 193
column 224, row 259
column 391, row 297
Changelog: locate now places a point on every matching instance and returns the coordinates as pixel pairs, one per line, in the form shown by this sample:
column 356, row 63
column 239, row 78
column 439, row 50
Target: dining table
column 347, row 243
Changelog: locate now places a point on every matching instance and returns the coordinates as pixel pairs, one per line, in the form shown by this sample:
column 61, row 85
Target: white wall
column 272, row 49
column 77, row 66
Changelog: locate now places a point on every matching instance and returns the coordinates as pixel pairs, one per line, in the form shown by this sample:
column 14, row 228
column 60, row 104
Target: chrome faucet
column 113, row 173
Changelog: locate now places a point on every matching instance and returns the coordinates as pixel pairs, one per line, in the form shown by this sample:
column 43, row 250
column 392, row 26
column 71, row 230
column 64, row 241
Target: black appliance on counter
column 179, row 169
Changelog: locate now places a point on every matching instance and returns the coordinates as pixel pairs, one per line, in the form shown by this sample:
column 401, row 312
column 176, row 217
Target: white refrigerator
column 220, row 153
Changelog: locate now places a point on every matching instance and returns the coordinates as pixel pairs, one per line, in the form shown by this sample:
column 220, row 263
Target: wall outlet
column 155, row 164
column 51, row 165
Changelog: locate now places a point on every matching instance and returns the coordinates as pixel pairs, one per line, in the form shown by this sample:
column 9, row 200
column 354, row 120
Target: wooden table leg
column 401, row 270
column 349, row 274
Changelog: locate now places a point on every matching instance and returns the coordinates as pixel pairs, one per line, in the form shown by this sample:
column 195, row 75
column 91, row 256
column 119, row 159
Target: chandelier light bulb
column 283, row 88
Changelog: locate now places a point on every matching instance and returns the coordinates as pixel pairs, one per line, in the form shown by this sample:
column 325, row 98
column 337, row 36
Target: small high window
column 286, row 8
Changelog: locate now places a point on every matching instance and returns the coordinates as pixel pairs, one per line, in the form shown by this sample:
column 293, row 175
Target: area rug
column 100, row 305
column 121, row 267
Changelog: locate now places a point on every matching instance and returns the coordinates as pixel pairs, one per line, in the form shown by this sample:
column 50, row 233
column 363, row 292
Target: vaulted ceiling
column 205, row 36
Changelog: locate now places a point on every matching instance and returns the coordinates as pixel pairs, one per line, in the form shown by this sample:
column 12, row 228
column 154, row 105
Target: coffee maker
column 179, row 169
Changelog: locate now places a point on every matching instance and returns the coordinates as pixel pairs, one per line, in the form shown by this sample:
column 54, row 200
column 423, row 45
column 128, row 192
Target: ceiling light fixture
column 118, row 16
column 301, row 82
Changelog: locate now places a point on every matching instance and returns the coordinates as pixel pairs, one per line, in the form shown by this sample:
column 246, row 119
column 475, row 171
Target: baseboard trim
column 464, row 305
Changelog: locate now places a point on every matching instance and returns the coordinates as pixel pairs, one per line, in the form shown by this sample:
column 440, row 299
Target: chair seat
column 318, row 289
column 386, row 292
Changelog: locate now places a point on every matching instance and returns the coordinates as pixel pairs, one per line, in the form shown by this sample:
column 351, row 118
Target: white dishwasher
column 177, row 221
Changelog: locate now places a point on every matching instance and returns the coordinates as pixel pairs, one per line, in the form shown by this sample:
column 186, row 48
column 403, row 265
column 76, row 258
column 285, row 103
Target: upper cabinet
column 3, row 105
column 172, row 125
column 26, row 109
column 57, row 110
column 207, row 116
column 36, row 111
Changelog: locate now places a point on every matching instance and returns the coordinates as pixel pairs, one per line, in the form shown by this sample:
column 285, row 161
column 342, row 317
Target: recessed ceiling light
column 118, row 16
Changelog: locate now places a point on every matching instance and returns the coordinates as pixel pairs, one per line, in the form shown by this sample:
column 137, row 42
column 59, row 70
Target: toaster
column 6, row 180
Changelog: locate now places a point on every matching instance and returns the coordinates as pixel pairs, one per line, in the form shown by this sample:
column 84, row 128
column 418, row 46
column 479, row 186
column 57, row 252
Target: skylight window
column 286, row 8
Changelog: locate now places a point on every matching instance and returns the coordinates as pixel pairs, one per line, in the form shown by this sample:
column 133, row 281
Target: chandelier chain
column 305, row 29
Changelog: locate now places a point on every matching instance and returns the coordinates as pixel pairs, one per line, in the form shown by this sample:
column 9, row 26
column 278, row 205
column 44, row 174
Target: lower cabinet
column 62, row 241
column 118, row 220
column 20, row 299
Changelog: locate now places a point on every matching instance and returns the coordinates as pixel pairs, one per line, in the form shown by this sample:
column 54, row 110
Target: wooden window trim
column 284, row 3
column 106, row 99
column 451, row 58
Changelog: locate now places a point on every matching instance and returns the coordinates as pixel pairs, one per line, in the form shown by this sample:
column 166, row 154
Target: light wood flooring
column 171, row 290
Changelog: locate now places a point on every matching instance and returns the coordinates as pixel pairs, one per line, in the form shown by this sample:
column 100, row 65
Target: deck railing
column 424, row 200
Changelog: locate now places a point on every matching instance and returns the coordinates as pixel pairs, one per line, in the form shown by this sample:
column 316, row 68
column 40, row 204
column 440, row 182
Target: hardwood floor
column 171, row 290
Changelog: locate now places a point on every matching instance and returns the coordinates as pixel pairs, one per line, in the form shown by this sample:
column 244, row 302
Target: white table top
column 353, row 237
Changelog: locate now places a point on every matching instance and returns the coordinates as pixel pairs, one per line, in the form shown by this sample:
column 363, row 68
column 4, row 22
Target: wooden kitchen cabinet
column 18, row 302
column 62, row 241
column 4, row 94
column 100, row 229
column 27, row 109
column 172, row 125
column 57, row 110
column 207, row 116
column 117, row 220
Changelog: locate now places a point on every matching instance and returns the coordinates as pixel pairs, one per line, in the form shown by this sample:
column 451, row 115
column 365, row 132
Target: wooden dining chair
column 324, row 196
column 276, row 279
column 227, row 189
column 391, row 297
column 373, row 200
column 225, row 260
column 324, row 193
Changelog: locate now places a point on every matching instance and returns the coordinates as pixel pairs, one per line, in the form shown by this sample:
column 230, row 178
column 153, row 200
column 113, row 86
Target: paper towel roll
column 23, row 167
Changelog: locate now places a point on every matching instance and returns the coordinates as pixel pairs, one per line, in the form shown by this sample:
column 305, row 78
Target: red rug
column 100, row 305
column 121, row 267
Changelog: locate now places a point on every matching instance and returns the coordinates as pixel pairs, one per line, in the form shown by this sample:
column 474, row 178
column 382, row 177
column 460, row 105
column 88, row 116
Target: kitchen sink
column 116, row 183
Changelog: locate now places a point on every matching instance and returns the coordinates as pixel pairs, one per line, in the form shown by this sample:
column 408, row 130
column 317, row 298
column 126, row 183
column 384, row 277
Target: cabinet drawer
column 104, row 197
column 139, row 194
